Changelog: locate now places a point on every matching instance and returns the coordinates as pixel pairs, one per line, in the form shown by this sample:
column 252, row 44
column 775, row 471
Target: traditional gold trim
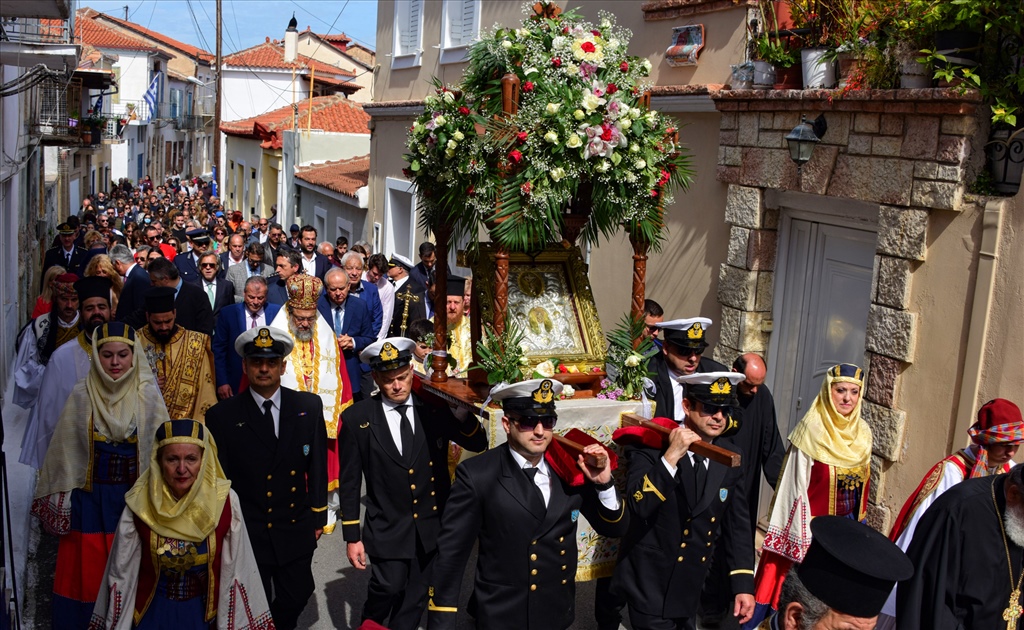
column 434, row 608
column 580, row 296
column 742, row 572
column 319, row 509
column 346, row 523
column 622, row 511
column 650, row 487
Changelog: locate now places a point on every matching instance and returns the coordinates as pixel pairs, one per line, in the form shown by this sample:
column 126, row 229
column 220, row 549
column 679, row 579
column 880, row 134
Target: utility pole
column 217, row 177
column 126, row 13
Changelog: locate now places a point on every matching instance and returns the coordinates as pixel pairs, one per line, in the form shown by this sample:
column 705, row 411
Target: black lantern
column 804, row 138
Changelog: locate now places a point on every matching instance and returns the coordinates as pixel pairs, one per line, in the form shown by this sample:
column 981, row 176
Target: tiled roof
column 91, row 32
column 271, row 55
column 188, row 49
column 335, row 114
column 341, row 176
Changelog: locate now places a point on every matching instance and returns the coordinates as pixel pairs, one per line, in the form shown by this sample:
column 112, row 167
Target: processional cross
column 407, row 297
column 1013, row 611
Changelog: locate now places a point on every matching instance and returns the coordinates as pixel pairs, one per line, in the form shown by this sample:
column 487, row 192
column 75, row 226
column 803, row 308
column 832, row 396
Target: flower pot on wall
column 788, row 78
column 818, row 73
column 915, row 75
column 764, row 75
column 849, row 65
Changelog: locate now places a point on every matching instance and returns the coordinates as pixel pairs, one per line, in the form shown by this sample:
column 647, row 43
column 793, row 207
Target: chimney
column 291, row 41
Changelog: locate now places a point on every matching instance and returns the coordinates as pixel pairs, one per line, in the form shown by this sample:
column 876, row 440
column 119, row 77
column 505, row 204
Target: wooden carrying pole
column 576, row 449
column 704, row 449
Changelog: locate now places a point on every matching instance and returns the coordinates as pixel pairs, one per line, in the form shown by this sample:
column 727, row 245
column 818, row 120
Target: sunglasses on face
column 140, row 258
column 530, row 423
column 208, row 265
column 707, row 411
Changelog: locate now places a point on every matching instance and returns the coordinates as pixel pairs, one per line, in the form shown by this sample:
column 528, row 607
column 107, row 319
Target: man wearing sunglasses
column 395, row 441
column 188, row 263
column 678, row 502
column 524, row 517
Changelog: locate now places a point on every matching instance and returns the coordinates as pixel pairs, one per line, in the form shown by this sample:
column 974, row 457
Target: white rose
column 558, row 42
column 625, row 124
column 651, row 117
column 552, row 108
column 574, row 141
column 571, row 68
column 604, row 166
column 632, row 360
column 545, row 369
column 522, row 33
column 506, row 44
column 613, row 44
column 634, row 148
column 557, row 173
column 640, row 165
column 452, row 144
column 449, row 152
column 530, row 71
column 646, row 64
column 568, row 391
column 551, row 137
column 440, row 121
column 449, row 97
column 592, row 101
column 634, row 112
column 578, row 114
column 417, row 126
column 430, row 100
column 459, row 136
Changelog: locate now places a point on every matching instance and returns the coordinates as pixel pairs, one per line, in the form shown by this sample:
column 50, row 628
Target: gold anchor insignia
column 388, row 352
column 543, row 394
column 364, row 425
column 721, row 386
column 638, row 495
column 696, row 331
column 263, row 339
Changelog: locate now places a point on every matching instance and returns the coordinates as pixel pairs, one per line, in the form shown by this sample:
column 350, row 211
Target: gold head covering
column 303, row 291
column 826, row 435
column 194, row 516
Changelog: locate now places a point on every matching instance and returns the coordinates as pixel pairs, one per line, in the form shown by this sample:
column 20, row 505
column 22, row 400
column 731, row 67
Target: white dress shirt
column 309, row 264
column 394, row 419
column 260, row 317
column 386, row 290
column 275, row 410
column 545, row 477
column 128, row 271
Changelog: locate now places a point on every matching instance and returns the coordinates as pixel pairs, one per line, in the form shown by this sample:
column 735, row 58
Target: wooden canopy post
column 439, row 362
column 509, row 107
column 640, row 249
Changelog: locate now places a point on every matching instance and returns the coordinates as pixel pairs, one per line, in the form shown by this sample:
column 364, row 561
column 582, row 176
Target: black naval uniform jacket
column 404, row 497
column 665, row 556
column 281, row 481
column 526, row 559
column 664, row 396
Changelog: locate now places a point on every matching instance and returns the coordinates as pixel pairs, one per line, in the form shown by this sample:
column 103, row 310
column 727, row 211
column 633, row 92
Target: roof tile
column 270, row 55
column 335, row 114
column 342, row 176
column 188, row 49
column 92, row 33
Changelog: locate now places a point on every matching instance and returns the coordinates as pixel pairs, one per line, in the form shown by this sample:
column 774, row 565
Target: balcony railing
column 56, row 119
column 135, row 112
column 189, row 123
column 36, row 30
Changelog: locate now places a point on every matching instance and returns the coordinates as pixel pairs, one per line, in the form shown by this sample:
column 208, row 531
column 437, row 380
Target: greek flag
column 151, row 97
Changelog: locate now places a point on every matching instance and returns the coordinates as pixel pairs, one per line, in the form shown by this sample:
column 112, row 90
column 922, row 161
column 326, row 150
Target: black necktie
column 268, row 416
column 700, row 476
column 405, row 431
column 531, row 474
column 67, row 257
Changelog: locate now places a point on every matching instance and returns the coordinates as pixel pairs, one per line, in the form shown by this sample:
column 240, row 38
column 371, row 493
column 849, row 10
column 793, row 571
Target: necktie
column 405, row 431
column 209, row 292
column 268, row 417
column 700, row 476
column 253, row 322
column 338, row 319
column 67, row 258
column 531, row 474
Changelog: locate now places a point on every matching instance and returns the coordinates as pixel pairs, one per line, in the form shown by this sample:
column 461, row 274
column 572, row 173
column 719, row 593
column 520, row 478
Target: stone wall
column 909, row 151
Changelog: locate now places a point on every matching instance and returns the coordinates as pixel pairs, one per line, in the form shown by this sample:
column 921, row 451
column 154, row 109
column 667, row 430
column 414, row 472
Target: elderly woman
column 181, row 558
column 93, row 459
column 826, row 471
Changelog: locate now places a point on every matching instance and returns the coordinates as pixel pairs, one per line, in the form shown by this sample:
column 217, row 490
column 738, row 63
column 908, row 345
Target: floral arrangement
column 503, row 356
column 550, row 367
column 429, row 340
column 627, row 365
column 580, row 135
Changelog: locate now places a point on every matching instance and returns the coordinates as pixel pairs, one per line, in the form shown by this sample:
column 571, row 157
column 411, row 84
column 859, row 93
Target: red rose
column 406, row 172
column 470, row 191
column 606, row 134
column 556, row 62
column 565, row 30
column 611, row 89
column 563, row 369
column 588, row 47
column 624, row 66
column 464, row 110
column 521, row 137
column 515, row 156
column 528, row 86
column 595, row 33
column 526, row 188
column 654, row 193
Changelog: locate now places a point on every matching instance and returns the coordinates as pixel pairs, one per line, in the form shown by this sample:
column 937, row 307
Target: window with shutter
column 460, row 27
column 408, row 33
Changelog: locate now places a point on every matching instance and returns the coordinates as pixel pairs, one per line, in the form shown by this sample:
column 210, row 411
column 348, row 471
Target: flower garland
column 581, row 127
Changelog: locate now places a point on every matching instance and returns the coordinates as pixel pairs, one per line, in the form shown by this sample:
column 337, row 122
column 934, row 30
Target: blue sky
column 246, row 22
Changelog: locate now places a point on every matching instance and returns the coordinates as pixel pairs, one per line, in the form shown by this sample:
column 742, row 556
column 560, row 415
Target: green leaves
column 502, row 356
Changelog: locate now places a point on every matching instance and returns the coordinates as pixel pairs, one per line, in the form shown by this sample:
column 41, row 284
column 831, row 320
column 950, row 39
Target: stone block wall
column 909, row 151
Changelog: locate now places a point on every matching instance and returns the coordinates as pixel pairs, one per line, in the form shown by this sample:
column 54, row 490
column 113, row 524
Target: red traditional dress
column 826, row 472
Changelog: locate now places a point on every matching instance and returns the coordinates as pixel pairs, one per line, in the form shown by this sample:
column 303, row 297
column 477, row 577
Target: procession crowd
column 209, row 395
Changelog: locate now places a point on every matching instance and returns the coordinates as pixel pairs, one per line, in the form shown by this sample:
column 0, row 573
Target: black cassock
column 960, row 575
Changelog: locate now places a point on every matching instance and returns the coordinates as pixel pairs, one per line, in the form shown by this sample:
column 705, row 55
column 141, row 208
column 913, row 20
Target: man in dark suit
column 252, row 312
column 136, row 281
column 272, row 248
column 313, row 262
column 524, row 516
column 219, row 292
column 273, row 446
column 423, row 272
column 235, row 254
column 350, row 319
column 406, row 290
column 289, row 263
column 188, row 263
column 190, row 302
column 391, row 441
column 679, row 502
column 67, row 254
column 253, row 266
column 763, row 450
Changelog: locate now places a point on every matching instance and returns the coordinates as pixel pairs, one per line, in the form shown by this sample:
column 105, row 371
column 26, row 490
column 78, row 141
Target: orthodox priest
column 314, row 366
column 461, row 343
column 181, row 359
column 42, row 336
column 996, row 436
column 68, row 365
column 968, row 552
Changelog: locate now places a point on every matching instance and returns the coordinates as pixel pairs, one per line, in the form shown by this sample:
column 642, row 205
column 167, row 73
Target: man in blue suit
column 188, row 264
column 313, row 262
column 352, row 263
column 135, row 284
column 252, row 312
column 288, row 264
column 351, row 321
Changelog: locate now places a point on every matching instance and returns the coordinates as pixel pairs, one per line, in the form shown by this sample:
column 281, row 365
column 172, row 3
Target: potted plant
column 772, row 49
column 94, row 123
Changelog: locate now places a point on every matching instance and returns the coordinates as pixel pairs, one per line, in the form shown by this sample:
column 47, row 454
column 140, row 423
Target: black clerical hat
column 159, row 299
column 851, row 567
column 93, row 287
